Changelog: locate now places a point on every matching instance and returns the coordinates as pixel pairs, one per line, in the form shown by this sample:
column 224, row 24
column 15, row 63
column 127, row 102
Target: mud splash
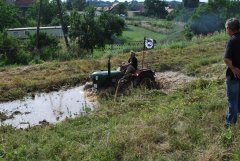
column 170, row 80
column 45, row 108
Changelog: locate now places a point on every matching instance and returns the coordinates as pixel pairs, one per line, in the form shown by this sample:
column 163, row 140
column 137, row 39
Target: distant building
column 108, row 8
column 23, row 33
column 134, row 13
column 24, row 4
column 97, row 13
column 115, row 4
column 169, row 9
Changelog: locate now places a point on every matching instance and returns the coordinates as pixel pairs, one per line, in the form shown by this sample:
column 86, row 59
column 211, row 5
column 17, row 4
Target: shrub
column 23, row 57
column 172, row 15
column 48, row 46
column 12, row 51
column 45, row 40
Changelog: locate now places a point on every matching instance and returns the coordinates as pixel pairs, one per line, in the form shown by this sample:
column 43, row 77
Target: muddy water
column 45, row 108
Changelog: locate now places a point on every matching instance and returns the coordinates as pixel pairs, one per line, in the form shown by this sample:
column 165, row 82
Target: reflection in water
column 47, row 107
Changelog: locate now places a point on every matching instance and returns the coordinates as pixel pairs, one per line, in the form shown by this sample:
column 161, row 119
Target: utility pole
column 38, row 25
column 64, row 27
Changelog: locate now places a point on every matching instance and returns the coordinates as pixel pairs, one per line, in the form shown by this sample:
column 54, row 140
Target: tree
column 120, row 9
column 155, row 8
column 63, row 24
column 91, row 32
column 78, row 4
column 219, row 4
column 133, row 5
column 68, row 5
column 110, row 25
column 85, row 29
column 190, row 3
column 211, row 17
column 8, row 16
column 49, row 11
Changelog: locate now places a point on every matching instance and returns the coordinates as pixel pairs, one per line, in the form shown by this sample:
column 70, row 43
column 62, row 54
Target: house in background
column 107, row 8
column 24, row 4
column 169, row 9
column 138, row 10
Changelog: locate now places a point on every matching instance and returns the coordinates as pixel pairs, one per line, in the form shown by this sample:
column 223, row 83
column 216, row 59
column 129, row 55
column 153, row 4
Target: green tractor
column 117, row 79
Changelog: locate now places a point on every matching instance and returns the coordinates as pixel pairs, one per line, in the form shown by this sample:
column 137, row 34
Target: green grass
column 134, row 33
column 17, row 82
column 130, row 36
column 190, row 57
column 162, row 23
column 146, row 125
column 186, row 124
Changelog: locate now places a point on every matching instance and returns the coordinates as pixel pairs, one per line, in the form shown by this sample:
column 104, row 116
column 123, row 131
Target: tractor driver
column 132, row 64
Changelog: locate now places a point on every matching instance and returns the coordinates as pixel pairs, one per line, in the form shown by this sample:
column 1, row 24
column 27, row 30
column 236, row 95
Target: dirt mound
column 170, row 80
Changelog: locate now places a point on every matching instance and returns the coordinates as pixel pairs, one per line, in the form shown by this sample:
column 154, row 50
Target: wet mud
column 170, row 80
column 45, row 108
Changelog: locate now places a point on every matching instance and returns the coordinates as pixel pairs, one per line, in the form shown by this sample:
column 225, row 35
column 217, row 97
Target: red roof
column 24, row 3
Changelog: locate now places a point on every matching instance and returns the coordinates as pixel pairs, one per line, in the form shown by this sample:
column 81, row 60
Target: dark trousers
column 233, row 94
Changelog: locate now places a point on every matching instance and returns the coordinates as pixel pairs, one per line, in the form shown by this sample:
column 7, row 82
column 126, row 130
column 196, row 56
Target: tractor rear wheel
column 146, row 80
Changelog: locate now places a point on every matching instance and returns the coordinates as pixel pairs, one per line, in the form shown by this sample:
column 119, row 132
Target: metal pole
column 64, row 27
column 143, row 51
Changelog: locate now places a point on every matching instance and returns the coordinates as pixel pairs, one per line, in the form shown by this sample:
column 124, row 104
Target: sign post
column 143, row 51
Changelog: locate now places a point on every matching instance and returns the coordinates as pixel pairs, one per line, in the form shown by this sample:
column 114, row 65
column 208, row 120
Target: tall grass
column 145, row 125
column 186, row 124
column 190, row 57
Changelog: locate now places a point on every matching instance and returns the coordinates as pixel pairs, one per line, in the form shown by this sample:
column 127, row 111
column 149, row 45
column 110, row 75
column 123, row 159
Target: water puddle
column 45, row 108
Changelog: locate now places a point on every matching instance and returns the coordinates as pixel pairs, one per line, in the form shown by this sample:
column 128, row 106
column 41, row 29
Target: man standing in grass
column 232, row 60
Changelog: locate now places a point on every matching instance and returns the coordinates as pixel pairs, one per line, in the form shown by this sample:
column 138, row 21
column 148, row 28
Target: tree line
column 87, row 31
column 200, row 18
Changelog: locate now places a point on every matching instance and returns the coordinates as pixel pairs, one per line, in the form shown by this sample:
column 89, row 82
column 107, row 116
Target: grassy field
column 131, row 35
column 16, row 82
column 163, row 31
column 154, row 22
column 186, row 124
column 134, row 33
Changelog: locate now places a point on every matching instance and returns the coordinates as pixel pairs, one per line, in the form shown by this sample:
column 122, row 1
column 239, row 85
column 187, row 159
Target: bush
column 48, row 46
column 23, row 57
column 172, row 15
column 11, row 51
column 45, row 40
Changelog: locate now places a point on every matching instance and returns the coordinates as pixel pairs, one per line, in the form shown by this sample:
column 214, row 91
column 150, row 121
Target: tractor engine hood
column 103, row 74
column 105, row 78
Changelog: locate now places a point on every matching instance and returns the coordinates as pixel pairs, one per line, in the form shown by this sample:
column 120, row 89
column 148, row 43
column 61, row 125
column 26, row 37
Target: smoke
column 206, row 23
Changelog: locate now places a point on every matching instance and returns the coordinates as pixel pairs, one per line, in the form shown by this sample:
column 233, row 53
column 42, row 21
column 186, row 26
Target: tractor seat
column 136, row 73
